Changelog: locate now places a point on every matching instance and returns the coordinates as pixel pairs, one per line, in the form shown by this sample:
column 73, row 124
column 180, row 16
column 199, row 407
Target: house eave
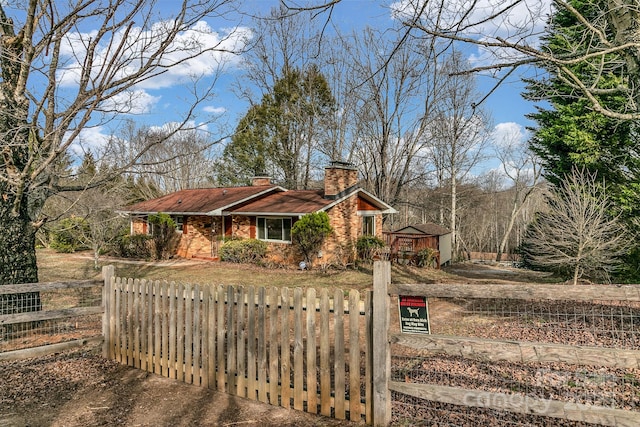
column 216, row 212
column 164, row 212
column 354, row 191
column 275, row 214
column 221, row 211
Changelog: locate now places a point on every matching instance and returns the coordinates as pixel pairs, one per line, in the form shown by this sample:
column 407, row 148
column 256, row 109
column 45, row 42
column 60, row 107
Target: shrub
column 164, row 238
column 136, row 246
column 69, row 235
column 368, row 246
column 309, row 232
column 426, row 257
column 345, row 254
column 243, row 251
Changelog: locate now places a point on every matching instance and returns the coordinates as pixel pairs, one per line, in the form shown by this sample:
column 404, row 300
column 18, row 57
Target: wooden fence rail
column 312, row 350
column 52, row 313
column 592, row 414
column 287, row 347
column 500, row 350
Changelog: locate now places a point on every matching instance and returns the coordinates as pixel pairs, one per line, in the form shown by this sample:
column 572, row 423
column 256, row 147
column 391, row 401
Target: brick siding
column 197, row 241
column 337, row 179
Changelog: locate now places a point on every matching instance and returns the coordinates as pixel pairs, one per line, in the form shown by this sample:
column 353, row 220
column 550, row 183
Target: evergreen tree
column 88, row 169
column 309, row 233
column 280, row 136
column 247, row 154
column 570, row 134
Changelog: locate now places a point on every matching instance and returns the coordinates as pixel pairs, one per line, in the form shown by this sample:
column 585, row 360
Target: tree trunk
column 503, row 243
column 17, row 257
column 17, row 239
column 454, row 205
column 96, row 257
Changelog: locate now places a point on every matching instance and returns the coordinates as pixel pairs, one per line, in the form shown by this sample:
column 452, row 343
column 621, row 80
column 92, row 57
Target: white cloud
column 91, row 139
column 180, row 128
column 522, row 24
column 196, row 53
column 132, row 102
column 510, row 142
column 509, row 134
column 214, row 110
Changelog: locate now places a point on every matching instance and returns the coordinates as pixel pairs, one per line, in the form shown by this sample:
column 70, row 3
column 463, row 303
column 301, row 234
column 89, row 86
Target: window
column 277, row 229
column 368, row 225
column 149, row 227
column 179, row 220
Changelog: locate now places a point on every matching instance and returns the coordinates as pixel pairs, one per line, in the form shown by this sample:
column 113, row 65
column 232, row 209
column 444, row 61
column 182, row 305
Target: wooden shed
column 410, row 239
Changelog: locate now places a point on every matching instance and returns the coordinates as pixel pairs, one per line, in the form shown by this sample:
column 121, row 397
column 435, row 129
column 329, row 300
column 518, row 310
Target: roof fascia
column 274, row 214
column 216, row 212
column 386, row 209
column 220, row 211
column 164, row 212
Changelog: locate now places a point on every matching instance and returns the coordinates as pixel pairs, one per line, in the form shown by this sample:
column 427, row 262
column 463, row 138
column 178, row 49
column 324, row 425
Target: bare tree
column 458, row 134
column 97, row 206
column 340, row 141
column 184, row 160
column 481, row 212
column 58, row 81
column 577, row 235
column 523, row 169
column 396, row 98
column 507, row 35
column 282, row 42
column 285, row 67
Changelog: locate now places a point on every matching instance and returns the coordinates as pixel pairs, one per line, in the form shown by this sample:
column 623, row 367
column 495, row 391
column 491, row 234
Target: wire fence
column 34, row 315
column 593, row 323
column 410, row 411
column 596, row 324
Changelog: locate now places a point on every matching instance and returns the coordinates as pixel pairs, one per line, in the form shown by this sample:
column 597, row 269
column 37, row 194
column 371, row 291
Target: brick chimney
column 257, row 181
column 338, row 177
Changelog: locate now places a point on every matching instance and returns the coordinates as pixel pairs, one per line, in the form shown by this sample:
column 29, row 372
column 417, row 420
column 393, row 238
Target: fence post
column 108, row 272
column 381, row 346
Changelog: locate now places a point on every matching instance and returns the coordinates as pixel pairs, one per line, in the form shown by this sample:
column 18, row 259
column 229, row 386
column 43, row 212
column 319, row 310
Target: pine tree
column 570, row 134
column 280, row 135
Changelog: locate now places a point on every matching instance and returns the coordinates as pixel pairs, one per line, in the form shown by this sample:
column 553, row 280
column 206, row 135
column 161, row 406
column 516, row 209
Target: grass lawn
column 55, row 266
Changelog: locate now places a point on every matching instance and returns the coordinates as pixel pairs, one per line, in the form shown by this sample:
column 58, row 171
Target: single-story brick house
column 205, row 217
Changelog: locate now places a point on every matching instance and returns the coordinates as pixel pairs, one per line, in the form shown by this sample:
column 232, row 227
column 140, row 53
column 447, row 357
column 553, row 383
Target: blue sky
column 159, row 100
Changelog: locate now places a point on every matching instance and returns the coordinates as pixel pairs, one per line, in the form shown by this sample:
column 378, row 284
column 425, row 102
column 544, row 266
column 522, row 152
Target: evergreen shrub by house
column 136, row 246
column 368, row 246
column 243, row 251
column 426, row 257
column 164, row 237
column 309, row 232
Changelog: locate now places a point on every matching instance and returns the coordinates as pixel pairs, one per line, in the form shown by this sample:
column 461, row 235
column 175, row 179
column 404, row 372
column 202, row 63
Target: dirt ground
column 80, row 388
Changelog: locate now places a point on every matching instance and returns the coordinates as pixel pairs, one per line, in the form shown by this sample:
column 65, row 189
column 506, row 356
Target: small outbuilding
column 409, row 240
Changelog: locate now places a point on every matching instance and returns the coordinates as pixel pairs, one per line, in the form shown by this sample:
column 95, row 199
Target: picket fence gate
column 294, row 348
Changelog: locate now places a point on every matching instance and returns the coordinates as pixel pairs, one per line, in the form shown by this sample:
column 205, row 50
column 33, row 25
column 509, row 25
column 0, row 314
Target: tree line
column 405, row 109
